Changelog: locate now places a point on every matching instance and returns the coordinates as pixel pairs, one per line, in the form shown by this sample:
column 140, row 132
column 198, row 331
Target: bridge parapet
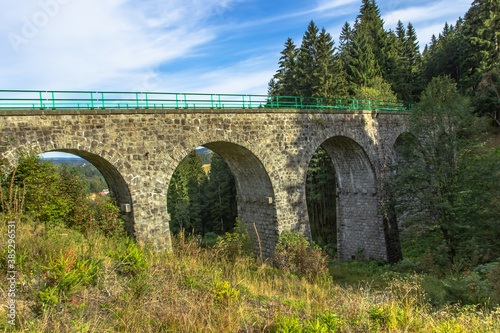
column 41, row 100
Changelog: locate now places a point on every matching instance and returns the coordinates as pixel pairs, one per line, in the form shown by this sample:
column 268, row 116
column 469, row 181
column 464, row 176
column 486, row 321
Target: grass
column 69, row 282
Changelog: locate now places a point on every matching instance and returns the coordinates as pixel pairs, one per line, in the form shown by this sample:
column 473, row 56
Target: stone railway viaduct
column 268, row 152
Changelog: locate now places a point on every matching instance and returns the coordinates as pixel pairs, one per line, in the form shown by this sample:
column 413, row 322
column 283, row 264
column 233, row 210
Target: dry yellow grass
column 196, row 289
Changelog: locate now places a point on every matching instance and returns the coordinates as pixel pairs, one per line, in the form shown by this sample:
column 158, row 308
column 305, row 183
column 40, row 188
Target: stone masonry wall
column 268, row 151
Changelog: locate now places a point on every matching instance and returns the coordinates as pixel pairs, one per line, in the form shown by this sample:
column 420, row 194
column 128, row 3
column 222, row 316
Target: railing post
column 147, row 105
column 137, row 99
column 92, row 100
column 212, row 100
column 41, row 100
column 185, row 102
column 102, row 100
column 53, row 101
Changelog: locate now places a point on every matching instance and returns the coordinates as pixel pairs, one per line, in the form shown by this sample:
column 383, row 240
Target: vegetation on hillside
column 86, row 275
column 446, row 189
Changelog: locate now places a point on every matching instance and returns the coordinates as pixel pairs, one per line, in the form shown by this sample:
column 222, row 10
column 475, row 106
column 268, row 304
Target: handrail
column 59, row 99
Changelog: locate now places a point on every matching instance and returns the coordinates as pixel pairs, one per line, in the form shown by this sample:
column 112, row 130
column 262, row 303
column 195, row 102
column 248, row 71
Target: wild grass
column 68, row 282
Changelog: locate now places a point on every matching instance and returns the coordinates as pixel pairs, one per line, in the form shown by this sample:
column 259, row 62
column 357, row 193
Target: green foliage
column 220, row 197
column 447, row 179
column 44, row 194
column 312, row 70
column 481, row 32
column 224, row 292
column 129, row 259
column 184, row 200
column 210, row 238
column 65, row 275
column 237, row 243
column 321, row 195
column 294, row 254
column 322, row 323
column 284, row 82
column 487, row 96
column 202, row 203
column 56, row 195
column 376, row 89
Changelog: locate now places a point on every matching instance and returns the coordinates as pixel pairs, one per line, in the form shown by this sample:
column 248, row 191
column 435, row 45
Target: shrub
column 294, row 254
column 237, row 243
column 64, row 275
column 210, row 238
column 130, row 259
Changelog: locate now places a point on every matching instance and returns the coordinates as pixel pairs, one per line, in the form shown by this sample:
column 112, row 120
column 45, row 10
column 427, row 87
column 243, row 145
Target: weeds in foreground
column 110, row 285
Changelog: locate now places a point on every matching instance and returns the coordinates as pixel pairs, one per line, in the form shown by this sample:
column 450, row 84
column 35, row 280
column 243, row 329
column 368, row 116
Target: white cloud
column 429, row 18
column 239, row 78
column 442, row 10
column 70, row 44
column 333, row 4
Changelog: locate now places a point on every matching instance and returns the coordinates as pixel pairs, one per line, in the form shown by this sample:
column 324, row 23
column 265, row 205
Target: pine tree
column 307, row 61
column 221, row 196
column 401, row 33
column 363, row 66
column 329, row 79
column 345, row 39
column 371, row 25
column 482, row 33
column 406, row 79
column 184, row 197
column 321, row 198
column 284, row 81
column 447, row 55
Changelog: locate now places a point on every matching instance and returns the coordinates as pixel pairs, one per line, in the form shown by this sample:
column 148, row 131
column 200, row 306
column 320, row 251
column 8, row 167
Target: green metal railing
column 36, row 100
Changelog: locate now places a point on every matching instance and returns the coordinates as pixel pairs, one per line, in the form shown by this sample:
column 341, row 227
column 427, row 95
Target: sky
column 198, row 46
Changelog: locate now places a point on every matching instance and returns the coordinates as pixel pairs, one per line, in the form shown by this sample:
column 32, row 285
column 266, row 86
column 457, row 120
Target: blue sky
column 213, row 46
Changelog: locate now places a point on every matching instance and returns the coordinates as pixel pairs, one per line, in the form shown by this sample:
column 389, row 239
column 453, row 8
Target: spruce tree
column 371, row 25
column 220, row 197
column 306, row 64
column 284, row 81
column 363, row 66
column 184, row 197
column 482, row 33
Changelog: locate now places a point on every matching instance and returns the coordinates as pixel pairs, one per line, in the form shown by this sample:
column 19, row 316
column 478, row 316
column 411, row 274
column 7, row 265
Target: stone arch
column 117, row 185
column 397, row 143
column 359, row 221
column 255, row 192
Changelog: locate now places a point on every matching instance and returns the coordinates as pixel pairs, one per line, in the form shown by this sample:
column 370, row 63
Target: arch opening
column 117, row 188
column 321, row 196
column 405, row 234
column 358, row 222
column 253, row 194
column 201, row 197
